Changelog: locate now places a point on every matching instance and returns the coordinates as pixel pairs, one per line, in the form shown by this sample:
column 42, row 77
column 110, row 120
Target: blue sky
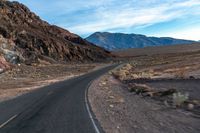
column 173, row 18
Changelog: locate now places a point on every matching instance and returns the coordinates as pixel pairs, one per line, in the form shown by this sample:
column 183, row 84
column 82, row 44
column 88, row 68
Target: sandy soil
column 23, row 79
column 148, row 51
column 135, row 99
column 120, row 111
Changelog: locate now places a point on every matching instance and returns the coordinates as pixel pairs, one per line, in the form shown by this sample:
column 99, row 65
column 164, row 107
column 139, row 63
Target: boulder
column 8, row 50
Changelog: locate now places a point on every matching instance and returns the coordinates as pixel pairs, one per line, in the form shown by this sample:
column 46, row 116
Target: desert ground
column 22, row 78
column 149, row 51
column 150, row 94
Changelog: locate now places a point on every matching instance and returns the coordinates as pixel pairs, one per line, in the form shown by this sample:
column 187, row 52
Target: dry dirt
column 121, row 109
column 23, row 79
column 148, row 51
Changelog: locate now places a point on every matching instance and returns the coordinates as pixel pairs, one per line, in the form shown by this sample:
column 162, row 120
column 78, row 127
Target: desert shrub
column 145, row 74
column 135, row 76
column 180, row 73
column 138, row 75
column 120, row 74
column 179, row 99
column 127, row 67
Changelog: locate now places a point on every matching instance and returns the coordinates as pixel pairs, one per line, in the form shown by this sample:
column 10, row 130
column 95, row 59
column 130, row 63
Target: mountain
column 117, row 41
column 25, row 38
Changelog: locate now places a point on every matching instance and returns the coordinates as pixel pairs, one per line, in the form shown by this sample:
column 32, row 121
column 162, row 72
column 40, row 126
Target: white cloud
column 110, row 17
column 87, row 16
column 188, row 33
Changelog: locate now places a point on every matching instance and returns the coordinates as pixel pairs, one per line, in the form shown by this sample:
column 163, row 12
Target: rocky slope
column 3, row 64
column 24, row 37
column 117, row 41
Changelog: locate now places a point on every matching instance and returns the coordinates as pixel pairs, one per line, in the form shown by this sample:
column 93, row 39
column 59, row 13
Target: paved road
column 58, row 108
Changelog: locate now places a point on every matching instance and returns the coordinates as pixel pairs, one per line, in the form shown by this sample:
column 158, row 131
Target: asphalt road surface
column 59, row 108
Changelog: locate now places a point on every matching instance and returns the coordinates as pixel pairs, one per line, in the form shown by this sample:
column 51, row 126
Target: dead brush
column 123, row 72
column 179, row 98
column 120, row 74
column 180, row 74
column 127, row 67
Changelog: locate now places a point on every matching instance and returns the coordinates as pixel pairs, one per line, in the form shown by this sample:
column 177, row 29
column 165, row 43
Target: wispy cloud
column 109, row 19
column 88, row 16
column 187, row 33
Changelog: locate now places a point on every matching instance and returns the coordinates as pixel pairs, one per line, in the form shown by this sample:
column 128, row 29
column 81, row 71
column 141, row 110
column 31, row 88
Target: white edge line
column 88, row 109
column 5, row 123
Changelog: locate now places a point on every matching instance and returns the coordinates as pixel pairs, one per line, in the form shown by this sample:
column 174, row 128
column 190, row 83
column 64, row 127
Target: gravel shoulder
column 120, row 111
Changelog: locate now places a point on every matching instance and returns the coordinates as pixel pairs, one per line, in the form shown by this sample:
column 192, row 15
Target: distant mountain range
column 117, row 41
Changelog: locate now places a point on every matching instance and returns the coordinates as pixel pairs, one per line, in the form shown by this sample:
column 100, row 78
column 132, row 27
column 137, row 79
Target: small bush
column 128, row 66
column 179, row 99
column 121, row 74
column 180, row 74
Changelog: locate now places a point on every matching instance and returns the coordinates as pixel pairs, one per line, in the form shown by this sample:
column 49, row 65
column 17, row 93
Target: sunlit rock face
column 8, row 51
column 8, row 54
column 3, row 64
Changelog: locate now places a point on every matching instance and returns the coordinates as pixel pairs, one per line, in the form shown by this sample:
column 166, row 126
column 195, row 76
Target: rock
column 112, row 97
column 121, row 100
column 100, row 85
column 165, row 93
column 139, row 88
column 195, row 102
column 8, row 51
column 3, row 64
column 166, row 103
column 190, row 106
column 106, row 88
column 1, row 70
column 192, row 77
column 103, row 83
column 161, row 124
column 12, row 57
column 112, row 106
column 150, row 93
column 135, row 126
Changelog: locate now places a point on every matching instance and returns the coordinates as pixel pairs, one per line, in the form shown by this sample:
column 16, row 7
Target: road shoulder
column 120, row 111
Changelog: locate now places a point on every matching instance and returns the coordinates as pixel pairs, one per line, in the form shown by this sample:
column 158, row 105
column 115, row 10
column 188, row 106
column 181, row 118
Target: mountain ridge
column 117, row 41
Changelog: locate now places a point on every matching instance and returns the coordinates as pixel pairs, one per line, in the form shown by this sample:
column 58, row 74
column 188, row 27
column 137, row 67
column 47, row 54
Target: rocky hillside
column 117, row 41
column 24, row 37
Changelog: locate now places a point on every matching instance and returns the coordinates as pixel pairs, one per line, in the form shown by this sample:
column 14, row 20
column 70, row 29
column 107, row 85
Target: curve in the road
column 58, row 108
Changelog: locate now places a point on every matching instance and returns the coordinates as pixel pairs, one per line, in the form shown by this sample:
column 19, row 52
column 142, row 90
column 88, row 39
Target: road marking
column 5, row 123
column 88, row 109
